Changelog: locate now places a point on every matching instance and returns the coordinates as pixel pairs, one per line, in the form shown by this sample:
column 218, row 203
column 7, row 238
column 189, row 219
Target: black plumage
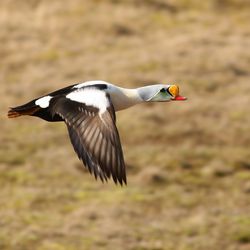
column 94, row 137
column 93, row 134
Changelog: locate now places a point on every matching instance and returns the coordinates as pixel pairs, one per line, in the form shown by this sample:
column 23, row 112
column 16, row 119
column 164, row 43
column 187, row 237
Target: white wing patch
column 90, row 97
column 43, row 102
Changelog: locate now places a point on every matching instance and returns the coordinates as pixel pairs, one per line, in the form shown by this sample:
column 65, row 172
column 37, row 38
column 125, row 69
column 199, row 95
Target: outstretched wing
column 90, row 118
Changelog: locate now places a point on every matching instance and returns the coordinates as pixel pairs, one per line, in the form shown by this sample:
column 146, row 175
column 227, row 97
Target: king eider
column 88, row 109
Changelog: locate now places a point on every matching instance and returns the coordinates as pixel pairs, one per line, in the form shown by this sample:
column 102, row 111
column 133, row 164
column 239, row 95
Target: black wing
column 94, row 137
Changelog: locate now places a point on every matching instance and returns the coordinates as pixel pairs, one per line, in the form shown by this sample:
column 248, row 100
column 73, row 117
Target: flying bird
column 88, row 109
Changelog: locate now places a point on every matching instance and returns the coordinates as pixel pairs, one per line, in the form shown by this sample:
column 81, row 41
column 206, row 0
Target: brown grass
column 188, row 163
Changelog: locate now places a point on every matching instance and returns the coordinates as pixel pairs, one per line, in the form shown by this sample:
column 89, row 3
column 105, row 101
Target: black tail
column 29, row 108
column 32, row 109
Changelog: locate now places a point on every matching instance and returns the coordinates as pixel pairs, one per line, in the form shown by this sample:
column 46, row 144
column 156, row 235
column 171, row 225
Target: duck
column 89, row 111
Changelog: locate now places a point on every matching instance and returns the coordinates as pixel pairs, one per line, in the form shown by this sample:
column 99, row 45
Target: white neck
column 123, row 98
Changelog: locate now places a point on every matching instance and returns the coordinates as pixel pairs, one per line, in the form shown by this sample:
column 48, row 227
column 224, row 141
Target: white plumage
column 90, row 97
column 43, row 102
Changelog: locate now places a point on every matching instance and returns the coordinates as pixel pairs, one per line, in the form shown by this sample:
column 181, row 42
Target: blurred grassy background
column 188, row 163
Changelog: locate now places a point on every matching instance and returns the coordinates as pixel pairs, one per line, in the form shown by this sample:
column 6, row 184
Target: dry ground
column 188, row 163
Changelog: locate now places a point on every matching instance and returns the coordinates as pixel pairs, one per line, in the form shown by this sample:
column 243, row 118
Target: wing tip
column 104, row 179
column 122, row 181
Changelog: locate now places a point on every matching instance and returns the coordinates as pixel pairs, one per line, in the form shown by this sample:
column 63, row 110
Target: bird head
column 161, row 93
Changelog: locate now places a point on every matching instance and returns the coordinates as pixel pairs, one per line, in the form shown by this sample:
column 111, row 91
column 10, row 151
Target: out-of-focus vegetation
column 188, row 163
